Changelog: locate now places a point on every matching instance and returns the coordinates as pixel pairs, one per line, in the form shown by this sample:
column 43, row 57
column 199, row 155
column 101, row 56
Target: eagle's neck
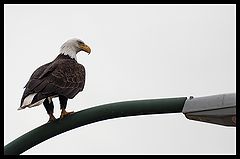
column 70, row 51
column 62, row 56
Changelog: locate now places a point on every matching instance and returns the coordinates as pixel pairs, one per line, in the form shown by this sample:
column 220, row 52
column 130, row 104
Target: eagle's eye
column 80, row 42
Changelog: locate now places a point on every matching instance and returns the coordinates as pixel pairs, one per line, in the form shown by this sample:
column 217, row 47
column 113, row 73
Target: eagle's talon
column 64, row 113
column 51, row 118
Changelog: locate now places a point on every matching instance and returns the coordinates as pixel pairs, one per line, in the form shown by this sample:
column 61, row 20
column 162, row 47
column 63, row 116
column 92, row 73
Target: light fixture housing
column 216, row 109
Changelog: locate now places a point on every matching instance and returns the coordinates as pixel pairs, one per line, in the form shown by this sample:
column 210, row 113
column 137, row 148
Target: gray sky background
column 138, row 52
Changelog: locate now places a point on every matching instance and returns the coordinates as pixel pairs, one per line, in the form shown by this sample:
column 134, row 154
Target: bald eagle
column 64, row 78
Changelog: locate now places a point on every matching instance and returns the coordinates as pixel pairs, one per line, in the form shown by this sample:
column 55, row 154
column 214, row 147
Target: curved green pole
column 91, row 115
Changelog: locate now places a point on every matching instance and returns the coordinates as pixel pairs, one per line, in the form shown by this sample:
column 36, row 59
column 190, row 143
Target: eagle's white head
column 73, row 46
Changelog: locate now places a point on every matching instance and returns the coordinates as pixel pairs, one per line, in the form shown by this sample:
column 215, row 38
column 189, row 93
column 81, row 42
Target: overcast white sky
column 138, row 52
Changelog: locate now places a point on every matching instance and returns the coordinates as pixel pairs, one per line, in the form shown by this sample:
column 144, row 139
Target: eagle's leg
column 48, row 104
column 63, row 105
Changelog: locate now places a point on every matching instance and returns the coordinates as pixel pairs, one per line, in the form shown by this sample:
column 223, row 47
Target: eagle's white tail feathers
column 28, row 100
column 20, row 108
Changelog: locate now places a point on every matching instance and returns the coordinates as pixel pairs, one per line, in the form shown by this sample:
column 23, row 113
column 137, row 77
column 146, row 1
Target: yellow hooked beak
column 85, row 48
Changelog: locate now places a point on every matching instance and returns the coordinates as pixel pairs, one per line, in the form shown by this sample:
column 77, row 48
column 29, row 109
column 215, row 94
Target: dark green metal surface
column 91, row 115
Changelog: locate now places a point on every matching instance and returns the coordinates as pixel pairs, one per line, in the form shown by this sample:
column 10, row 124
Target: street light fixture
column 216, row 109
